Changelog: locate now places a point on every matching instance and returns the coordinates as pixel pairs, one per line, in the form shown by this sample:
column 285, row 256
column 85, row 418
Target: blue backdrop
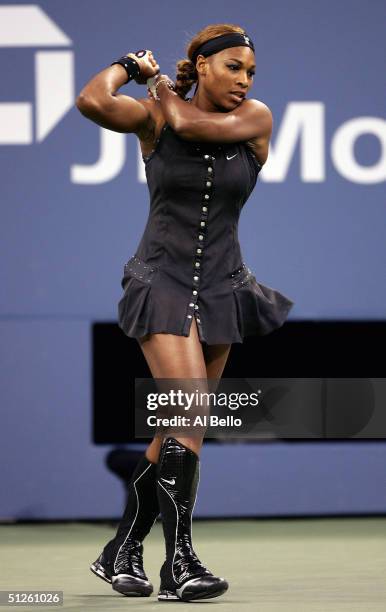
column 74, row 200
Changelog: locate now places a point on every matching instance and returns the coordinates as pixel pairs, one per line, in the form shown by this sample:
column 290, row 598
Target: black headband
column 214, row 45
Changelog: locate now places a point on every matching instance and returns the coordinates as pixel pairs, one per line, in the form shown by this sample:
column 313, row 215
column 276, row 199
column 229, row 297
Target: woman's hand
column 147, row 65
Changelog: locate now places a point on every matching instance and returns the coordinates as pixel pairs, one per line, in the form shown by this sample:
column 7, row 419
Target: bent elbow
column 83, row 103
column 91, row 107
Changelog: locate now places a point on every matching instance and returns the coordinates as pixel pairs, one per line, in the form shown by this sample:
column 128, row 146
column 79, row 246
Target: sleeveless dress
column 188, row 263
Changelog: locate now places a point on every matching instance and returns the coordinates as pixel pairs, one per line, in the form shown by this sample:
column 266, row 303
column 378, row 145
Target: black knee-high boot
column 121, row 563
column 182, row 575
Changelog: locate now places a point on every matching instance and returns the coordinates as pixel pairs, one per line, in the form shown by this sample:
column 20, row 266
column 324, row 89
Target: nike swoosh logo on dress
column 171, row 482
column 228, row 158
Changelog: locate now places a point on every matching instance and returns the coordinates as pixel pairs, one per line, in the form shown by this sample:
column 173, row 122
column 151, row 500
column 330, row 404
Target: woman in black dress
column 187, row 294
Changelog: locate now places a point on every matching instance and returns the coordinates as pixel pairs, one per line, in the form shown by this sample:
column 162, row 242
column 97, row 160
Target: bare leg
column 171, row 356
column 178, row 357
column 216, row 356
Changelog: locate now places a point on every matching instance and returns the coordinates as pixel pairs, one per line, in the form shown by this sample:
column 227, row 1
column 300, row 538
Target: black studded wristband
column 130, row 65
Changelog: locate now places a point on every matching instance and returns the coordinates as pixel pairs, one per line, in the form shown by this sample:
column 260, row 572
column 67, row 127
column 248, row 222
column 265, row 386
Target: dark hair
column 186, row 71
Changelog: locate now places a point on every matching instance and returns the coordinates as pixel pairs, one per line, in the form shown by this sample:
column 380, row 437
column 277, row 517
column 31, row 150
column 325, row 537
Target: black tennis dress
column 188, row 263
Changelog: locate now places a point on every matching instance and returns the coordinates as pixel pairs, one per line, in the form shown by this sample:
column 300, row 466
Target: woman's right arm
column 100, row 102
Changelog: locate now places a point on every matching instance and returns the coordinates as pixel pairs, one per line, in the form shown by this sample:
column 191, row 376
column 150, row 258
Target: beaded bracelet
column 169, row 83
column 153, row 83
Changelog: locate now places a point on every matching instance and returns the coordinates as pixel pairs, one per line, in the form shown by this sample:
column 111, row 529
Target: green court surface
column 295, row 565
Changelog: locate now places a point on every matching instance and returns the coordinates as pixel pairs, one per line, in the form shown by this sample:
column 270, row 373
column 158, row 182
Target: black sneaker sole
column 99, row 571
column 131, row 586
column 192, row 592
column 123, row 583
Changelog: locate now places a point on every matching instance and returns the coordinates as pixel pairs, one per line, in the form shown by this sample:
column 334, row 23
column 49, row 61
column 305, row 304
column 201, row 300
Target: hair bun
column 185, row 77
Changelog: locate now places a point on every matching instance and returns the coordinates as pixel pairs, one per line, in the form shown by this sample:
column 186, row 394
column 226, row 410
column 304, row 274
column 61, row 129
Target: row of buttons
column 201, row 237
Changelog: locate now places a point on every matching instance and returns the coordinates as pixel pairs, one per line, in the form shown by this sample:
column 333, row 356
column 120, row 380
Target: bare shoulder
column 257, row 108
column 262, row 113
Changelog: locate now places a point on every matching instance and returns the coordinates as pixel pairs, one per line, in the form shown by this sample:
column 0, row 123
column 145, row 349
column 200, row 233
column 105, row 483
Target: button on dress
column 188, row 263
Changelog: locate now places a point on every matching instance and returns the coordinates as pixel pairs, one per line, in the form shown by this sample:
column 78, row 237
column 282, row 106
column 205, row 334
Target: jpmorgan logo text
column 302, row 125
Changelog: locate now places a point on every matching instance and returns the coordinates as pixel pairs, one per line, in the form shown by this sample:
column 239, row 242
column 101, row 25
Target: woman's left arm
column 251, row 119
